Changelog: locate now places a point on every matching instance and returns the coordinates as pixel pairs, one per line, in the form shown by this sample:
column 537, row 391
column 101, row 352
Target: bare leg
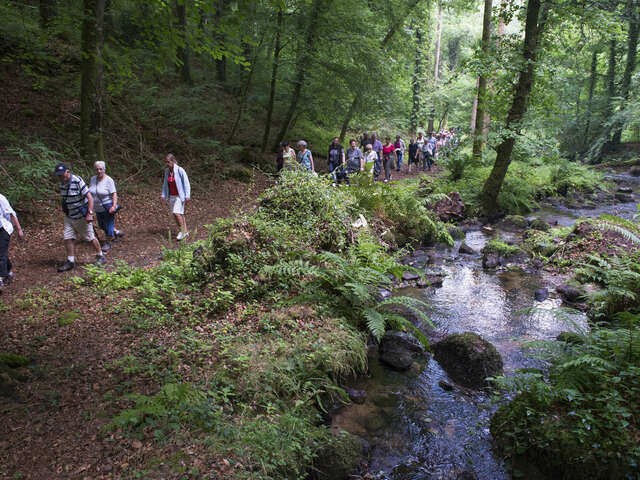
column 96, row 245
column 70, row 247
column 181, row 222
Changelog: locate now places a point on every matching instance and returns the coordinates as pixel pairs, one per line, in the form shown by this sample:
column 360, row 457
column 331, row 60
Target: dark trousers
column 427, row 161
column 388, row 166
column 5, row 263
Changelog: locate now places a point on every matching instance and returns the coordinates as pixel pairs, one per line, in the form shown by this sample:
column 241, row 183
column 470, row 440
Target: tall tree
column 221, row 63
column 417, row 81
column 91, row 91
column 536, row 19
column 481, row 106
column 633, row 15
column 593, row 74
column 436, row 67
column 304, row 52
column 274, row 78
column 47, row 9
column 184, row 65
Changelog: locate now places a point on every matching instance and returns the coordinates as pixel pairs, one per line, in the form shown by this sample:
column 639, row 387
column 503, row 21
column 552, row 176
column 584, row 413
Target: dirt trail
column 145, row 221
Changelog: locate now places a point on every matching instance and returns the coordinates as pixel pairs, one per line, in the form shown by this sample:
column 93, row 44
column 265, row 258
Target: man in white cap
column 77, row 205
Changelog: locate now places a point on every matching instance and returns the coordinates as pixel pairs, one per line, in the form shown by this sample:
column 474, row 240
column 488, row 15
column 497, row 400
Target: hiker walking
column 77, row 205
column 177, row 190
column 399, row 150
column 105, row 200
column 335, row 157
column 387, row 154
column 305, row 158
column 355, row 160
column 413, row 154
column 8, row 224
column 376, row 146
column 370, row 160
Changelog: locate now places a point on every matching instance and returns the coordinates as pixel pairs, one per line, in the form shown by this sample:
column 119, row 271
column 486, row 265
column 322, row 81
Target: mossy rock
column 635, row 171
column 340, row 458
column 67, row 318
column 500, row 248
column 515, row 221
column 468, row 359
column 539, row 224
column 14, row 361
column 570, row 337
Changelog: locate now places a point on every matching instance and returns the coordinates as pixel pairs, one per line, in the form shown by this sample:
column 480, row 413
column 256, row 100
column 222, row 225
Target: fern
column 627, row 234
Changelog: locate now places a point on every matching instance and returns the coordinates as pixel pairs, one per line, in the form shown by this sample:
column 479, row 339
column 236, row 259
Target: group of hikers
column 371, row 155
column 82, row 204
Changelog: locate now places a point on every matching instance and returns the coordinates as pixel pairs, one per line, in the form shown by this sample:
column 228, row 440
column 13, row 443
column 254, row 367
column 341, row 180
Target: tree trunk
column 474, row 110
column 47, row 12
column 417, row 81
column 347, row 120
column 304, row 53
column 534, row 27
column 611, row 76
column 592, row 84
column 183, row 50
column 221, row 63
column 387, row 38
column 245, row 91
column 478, row 131
column 633, row 12
column 274, row 77
column 436, row 66
column 91, row 94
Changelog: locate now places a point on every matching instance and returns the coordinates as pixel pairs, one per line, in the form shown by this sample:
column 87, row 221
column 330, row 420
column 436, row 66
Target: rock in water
column 468, row 359
column 625, row 190
column 399, row 349
column 464, row 248
column 410, row 276
column 340, row 459
column 635, row 171
column 357, row 396
column 541, row 294
column 539, row 224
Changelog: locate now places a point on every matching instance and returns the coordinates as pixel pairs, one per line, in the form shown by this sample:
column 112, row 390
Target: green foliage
column 13, row 360
column 501, row 248
column 28, row 176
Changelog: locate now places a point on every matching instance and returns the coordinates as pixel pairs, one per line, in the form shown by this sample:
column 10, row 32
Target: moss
column 340, row 458
column 517, row 221
column 13, row 361
column 538, row 224
column 501, row 248
column 67, row 318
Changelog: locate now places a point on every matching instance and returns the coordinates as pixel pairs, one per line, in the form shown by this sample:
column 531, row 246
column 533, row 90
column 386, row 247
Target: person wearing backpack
column 8, row 224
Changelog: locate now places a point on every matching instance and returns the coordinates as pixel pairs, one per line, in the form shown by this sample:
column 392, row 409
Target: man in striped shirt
column 77, row 205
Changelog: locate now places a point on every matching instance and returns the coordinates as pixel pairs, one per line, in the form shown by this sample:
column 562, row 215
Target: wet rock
column 383, row 293
column 539, row 224
column 410, row 276
column 468, row 359
column 635, row 171
column 625, row 190
column 571, row 293
column 570, row 337
column 490, row 261
column 541, row 294
column 456, row 233
column 488, row 230
column 537, row 263
column 399, row 349
column 624, row 197
column 464, row 248
column 514, row 222
column 422, row 283
column 435, row 277
column 357, row 396
column 340, row 458
column 445, row 385
column 449, row 208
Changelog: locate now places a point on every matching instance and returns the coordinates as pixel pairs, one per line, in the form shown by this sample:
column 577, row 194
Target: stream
column 420, row 425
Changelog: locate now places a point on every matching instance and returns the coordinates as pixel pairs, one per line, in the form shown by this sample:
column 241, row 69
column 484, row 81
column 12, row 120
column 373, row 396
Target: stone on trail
column 468, row 359
column 399, row 349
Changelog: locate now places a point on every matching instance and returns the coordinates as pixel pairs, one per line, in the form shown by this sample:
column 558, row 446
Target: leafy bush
column 27, row 179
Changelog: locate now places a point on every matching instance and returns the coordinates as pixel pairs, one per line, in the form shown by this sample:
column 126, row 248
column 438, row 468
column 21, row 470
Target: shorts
column 78, row 229
column 176, row 205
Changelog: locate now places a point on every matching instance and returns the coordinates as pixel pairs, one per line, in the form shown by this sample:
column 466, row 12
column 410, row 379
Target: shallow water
column 415, row 427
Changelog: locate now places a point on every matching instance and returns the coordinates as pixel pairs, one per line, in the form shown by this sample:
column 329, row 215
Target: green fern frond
column 376, row 323
column 625, row 232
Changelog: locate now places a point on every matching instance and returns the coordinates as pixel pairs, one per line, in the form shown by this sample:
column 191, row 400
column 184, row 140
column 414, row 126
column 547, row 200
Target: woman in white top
column 370, row 157
column 8, row 222
column 105, row 203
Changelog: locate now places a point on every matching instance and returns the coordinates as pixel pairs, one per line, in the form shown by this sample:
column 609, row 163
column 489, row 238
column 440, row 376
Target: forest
column 476, row 320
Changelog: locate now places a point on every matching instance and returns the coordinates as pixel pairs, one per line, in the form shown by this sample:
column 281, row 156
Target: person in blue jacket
column 177, row 190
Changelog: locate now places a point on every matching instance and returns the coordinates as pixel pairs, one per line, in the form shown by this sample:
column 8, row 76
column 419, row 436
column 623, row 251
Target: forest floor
column 53, row 418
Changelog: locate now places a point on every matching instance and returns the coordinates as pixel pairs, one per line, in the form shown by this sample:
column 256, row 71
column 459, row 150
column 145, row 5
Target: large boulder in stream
column 399, row 349
column 468, row 359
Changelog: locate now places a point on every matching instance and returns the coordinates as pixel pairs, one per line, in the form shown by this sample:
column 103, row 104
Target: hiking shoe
column 66, row 266
column 119, row 233
column 182, row 236
column 106, row 247
column 99, row 260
